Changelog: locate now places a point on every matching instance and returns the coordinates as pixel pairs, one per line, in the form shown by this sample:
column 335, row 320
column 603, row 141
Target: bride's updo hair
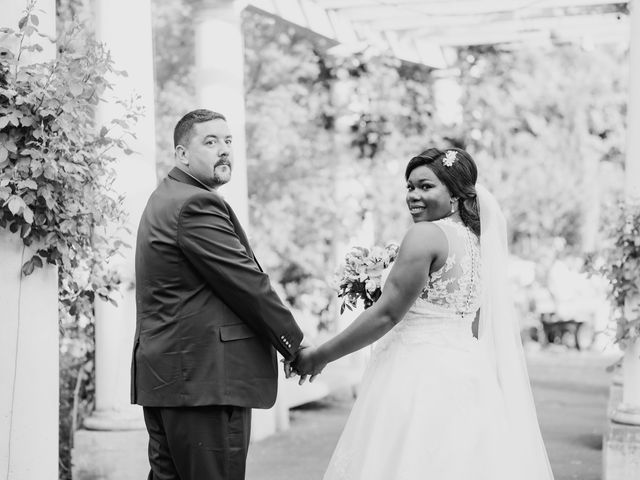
column 458, row 174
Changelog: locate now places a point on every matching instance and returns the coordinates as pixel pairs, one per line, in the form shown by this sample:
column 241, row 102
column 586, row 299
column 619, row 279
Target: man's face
column 208, row 156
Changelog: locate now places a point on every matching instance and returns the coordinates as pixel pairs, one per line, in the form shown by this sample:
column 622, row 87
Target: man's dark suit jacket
column 207, row 317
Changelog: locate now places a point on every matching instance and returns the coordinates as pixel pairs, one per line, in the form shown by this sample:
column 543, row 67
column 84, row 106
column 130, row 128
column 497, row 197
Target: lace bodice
column 456, row 286
column 444, row 311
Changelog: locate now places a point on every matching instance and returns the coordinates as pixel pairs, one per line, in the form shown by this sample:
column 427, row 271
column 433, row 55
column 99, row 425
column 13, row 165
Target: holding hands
column 308, row 362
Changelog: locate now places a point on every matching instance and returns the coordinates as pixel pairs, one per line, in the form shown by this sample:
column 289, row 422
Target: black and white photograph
column 320, row 240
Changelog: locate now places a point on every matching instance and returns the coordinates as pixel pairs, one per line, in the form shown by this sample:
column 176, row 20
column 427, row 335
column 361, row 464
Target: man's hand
column 289, row 371
column 308, row 362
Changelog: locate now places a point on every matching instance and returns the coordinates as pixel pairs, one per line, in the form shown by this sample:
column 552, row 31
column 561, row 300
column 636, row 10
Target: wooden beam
column 586, row 24
column 468, row 7
column 416, row 22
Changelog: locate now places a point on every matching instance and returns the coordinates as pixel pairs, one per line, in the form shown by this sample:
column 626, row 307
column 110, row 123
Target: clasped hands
column 307, row 362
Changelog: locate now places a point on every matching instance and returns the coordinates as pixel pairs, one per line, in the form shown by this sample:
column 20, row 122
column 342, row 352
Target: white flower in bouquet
column 361, row 275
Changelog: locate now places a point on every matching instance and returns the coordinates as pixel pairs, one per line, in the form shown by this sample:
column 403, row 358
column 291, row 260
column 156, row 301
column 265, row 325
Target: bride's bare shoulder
column 425, row 237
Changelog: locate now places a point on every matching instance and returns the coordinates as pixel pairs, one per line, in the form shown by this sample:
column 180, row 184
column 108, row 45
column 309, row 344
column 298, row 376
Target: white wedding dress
column 430, row 406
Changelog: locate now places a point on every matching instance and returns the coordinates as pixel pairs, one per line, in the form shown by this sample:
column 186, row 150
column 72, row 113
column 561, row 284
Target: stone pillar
column 29, row 373
column 447, row 94
column 349, row 190
column 632, row 164
column 220, row 84
column 125, row 28
column 629, row 410
column 28, row 365
column 621, row 448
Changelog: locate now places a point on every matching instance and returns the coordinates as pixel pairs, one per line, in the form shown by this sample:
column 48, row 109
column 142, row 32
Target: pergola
column 419, row 31
column 422, row 31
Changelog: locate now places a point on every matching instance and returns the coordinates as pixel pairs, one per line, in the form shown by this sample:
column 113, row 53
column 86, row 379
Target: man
column 208, row 321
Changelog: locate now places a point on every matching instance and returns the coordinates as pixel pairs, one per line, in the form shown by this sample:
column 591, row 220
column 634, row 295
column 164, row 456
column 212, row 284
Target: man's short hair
column 184, row 128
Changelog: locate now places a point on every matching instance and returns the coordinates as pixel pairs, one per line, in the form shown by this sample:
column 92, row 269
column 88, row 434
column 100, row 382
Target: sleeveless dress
column 429, row 406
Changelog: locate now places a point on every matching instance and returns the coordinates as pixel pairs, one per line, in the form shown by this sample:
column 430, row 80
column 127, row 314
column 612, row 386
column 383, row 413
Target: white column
column 349, row 191
column 29, row 341
column 220, row 84
column 28, row 365
column 447, row 93
column 632, row 164
column 125, row 28
column 628, row 411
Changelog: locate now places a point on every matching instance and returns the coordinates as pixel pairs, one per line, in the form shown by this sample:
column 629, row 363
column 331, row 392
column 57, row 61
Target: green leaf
column 27, row 121
column 4, row 156
column 30, row 184
column 22, row 22
column 27, row 268
column 15, row 204
column 27, row 214
column 8, row 93
column 10, row 145
column 35, row 20
column 5, row 192
column 25, row 230
column 76, row 89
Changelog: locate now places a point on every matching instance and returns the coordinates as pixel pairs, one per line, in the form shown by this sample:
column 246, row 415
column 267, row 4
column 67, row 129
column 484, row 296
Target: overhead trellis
column 423, row 31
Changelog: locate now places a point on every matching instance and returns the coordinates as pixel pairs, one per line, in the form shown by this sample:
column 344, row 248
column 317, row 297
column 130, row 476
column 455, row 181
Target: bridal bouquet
column 361, row 276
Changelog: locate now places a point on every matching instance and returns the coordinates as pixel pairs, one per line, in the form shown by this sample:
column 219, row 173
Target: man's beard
column 223, row 176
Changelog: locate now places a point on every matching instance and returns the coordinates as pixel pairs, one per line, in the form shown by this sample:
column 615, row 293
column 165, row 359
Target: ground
column 571, row 391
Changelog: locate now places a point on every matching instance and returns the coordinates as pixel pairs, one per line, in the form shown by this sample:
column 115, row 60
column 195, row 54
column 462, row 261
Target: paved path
column 570, row 389
column 571, row 393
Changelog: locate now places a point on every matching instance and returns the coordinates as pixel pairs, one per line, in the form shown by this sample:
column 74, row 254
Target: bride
column 446, row 394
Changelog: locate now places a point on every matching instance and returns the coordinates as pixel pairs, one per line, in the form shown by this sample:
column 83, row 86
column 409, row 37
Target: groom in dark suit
column 208, row 321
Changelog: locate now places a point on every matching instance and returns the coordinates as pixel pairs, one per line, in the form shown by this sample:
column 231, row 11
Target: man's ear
column 182, row 155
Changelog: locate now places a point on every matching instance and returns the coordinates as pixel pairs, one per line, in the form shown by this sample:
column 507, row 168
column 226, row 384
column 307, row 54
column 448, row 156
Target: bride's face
column 428, row 198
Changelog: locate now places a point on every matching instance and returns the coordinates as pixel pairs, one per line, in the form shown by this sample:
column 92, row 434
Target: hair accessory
column 449, row 158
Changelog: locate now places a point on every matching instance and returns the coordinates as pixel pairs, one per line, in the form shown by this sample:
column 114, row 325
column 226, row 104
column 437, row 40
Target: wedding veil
column 499, row 334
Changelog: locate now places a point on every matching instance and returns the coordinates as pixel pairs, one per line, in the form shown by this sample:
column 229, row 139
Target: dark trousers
column 198, row 443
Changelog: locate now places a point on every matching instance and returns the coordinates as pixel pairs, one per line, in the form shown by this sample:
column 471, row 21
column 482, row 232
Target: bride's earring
column 453, row 203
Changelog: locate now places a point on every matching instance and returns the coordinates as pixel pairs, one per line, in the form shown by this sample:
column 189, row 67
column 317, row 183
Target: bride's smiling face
column 428, row 198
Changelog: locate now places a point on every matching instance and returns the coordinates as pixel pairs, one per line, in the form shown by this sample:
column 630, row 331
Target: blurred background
column 330, row 127
column 536, row 91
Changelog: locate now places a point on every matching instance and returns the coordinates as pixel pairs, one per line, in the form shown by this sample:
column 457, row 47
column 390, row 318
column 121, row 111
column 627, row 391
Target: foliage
column 619, row 263
column 353, row 120
column 534, row 118
column 292, row 215
column 56, row 172
column 56, row 164
column 76, row 399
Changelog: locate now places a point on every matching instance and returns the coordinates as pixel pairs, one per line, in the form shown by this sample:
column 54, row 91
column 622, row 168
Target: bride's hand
column 308, row 363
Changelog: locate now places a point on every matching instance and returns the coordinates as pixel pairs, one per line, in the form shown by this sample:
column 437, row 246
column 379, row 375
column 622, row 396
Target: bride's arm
column 421, row 246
